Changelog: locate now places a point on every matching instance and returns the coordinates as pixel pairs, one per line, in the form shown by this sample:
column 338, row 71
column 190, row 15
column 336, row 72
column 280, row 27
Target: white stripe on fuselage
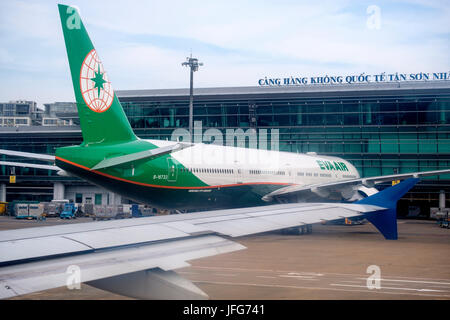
column 301, row 169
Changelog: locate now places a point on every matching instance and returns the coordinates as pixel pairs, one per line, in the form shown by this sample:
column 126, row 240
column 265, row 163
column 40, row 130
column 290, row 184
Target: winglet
column 386, row 221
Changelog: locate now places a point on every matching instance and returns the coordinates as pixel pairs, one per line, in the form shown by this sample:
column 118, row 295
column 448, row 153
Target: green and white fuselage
column 202, row 175
column 191, row 177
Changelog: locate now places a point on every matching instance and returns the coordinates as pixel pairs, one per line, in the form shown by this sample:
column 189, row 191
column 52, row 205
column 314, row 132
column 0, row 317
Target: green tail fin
column 102, row 118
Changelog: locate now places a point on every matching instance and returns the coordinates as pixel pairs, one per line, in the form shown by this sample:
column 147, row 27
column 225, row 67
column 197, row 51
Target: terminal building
column 382, row 128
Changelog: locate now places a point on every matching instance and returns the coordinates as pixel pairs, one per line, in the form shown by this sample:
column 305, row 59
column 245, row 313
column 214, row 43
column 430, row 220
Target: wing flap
column 24, row 249
column 116, row 237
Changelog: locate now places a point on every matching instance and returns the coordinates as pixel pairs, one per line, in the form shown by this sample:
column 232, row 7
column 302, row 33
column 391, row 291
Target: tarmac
column 331, row 263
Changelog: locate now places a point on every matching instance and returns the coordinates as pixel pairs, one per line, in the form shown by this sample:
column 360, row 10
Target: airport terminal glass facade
column 382, row 129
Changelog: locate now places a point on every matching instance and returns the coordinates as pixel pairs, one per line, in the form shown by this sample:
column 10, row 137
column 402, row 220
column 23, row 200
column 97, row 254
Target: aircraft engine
column 357, row 192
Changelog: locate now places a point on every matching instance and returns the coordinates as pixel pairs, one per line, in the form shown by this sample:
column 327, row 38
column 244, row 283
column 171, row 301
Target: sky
column 143, row 43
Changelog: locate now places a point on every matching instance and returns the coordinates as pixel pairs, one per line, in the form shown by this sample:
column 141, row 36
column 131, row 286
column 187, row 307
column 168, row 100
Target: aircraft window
column 325, row 175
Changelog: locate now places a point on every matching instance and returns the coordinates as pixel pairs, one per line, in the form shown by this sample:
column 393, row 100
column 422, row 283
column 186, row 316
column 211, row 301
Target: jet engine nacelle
column 356, row 193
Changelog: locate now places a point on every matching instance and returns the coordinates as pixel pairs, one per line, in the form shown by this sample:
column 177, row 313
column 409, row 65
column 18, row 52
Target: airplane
column 242, row 196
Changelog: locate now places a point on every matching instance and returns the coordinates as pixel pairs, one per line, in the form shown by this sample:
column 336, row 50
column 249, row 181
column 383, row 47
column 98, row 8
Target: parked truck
column 30, row 211
column 108, row 212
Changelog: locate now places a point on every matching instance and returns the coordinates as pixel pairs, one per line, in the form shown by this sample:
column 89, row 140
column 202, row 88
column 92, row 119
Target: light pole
column 193, row 64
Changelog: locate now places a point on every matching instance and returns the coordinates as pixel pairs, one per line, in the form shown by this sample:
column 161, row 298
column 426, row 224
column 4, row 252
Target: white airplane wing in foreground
column 136, row 257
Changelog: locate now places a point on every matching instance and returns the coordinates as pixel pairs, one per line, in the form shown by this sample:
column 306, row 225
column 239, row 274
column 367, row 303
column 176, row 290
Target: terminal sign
column 362, row 78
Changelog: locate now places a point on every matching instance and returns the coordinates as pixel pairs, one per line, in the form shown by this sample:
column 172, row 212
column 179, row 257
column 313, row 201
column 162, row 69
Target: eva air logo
column 96, row 90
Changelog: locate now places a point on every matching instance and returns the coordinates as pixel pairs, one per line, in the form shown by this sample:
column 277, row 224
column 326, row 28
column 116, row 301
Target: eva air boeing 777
column 252, row 191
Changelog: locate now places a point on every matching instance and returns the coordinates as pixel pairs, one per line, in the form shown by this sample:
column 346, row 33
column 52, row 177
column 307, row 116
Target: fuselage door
column 172, row 167
column 238, row 172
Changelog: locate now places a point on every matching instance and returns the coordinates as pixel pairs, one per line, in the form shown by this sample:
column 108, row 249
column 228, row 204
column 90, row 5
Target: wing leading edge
column 336, row 185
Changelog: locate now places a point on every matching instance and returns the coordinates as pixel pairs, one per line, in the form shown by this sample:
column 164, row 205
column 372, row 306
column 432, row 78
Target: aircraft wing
column 29, row 165
column 37, row 156
column 109, row 162
column 135, row 257
column 338, row 185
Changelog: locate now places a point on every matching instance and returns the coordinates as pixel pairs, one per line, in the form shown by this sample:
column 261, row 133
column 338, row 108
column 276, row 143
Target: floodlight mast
column 193, row 64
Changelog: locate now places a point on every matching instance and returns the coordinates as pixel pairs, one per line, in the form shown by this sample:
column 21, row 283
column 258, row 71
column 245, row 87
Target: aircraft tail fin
column 386, row 221
column 102, row 118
